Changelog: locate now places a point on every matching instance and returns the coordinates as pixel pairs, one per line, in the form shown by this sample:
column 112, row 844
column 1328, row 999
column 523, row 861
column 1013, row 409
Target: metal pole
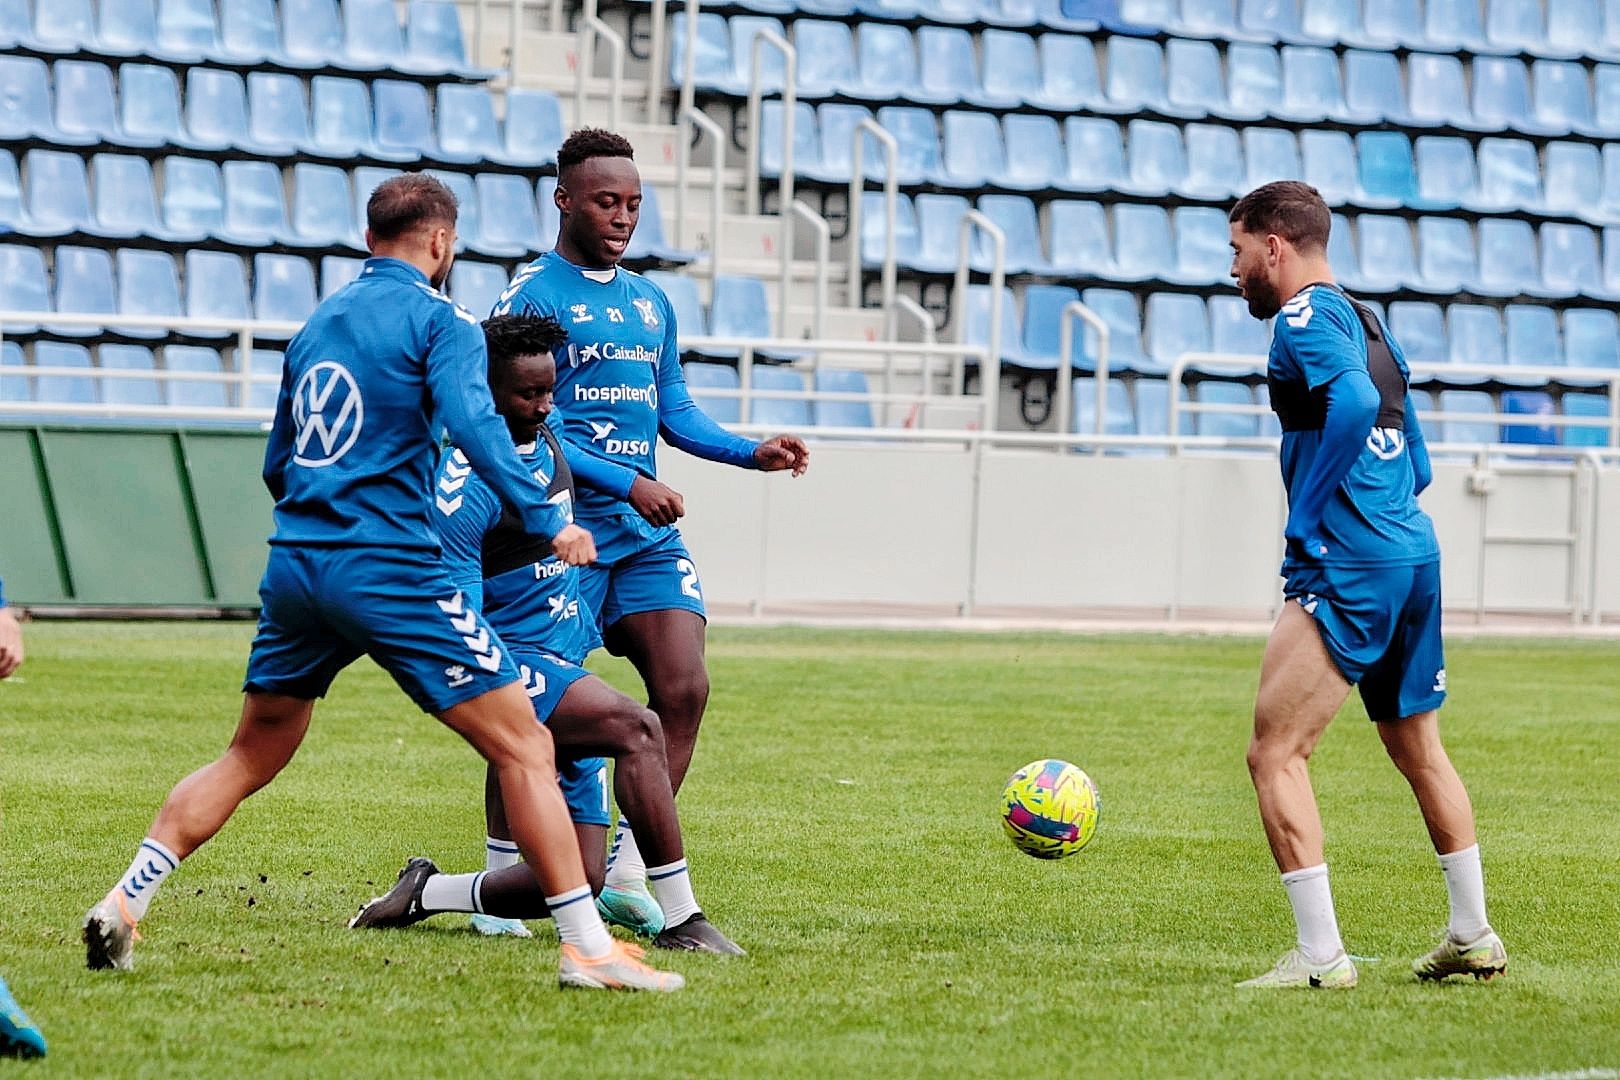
column 1066, row 363
column 891, row 196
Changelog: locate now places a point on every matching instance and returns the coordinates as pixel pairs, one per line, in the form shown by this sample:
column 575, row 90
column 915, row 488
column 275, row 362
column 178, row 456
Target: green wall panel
column 233, row 510
column 125, row 517
column 28, row 559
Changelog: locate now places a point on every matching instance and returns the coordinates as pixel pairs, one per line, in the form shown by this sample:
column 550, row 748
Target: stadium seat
column 187, row 28
column 1502, row 97
column 84, row 285
column 216, row 110
column 12, row 216
column 372, row 35
column 403, row 118
column 507, row 223
column 14, row 387
column 1533, row 338
column 1509, row 175
column 1080, row 243
column 255, row 204
column 790, row 411
column 1327, row 163
column 1514, row 26
column 58, row 192
column 874, row 231
column 1096, row 154
column 1592, row 338
column 1374, row 86
column 1276, row 20
column 125, row 204
column 703, row 378
column 63, row 389
column 1507, row 259
column 1011, row 72
column 265, row 362
column 322, row 210
column 283, row 290
column 248, row 31
column 649, row 240
column 1156, row 160
column 1470, row 432
column 834, row 160
column 1437, row 92
column 365, row 180
column 85, row 113
column 918, row 135
column 1590, row 407
column 1203, row 252
column 1194, row 83
column 337, row 271
column 1312, row 90
column 1215, row 160
column 1153, row 408
column 477, row 285
column 216, row 287
column 128, row 391
column 65, row 26
column 1446, row 177
column 1043, row 326
column 1176, row 324
column 1446, row 257
column 826, row 53
column 1570, row 264
column 433, row 40
column 277, row 117
column 1035, row 159
column 843, row 414
column 946, row 68
column 1387, row 174
column 690, row 319
column 979, row 321
column 1255, row 84
column 1016, row 216
column 534, row 128
column 1118, row 416
column 1573, row 179
column 1387, row 260
column 341, row 120
column 1342, row 254
column 1136, row 78
column 193, row 196
column 147, row 285
column 1393, row 22
column 1537, row 404
column 550, row 216
column 740, row 308
column 23, row 283
column 974, row 156
column 149, row 106
column 1069, row 78
column 1121, row 311
column 467, row 130
column 1233, row 330
column 1143, row 249
column 937, row 233
column 312, row 34
column 1419, row 327
column 1474, row 336
column 130, row 28
column 194, row 393
column 1226, row 425
column 1563, row 97
column 1453, row 25
column 711, row 65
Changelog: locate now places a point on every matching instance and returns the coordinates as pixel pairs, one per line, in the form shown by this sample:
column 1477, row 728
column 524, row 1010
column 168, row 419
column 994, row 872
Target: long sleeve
column 462, row 523
column 278, row 451
column 1352, row 409
column 2, row 593
column 591, row 470
column 1417, row 450
column 682, row 423
column 457, row 383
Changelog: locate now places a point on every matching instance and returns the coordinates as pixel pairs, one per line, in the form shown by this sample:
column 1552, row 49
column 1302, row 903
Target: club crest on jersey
column 327, row 414
column 1386, row 443
column 581, row 313
column 649, row 314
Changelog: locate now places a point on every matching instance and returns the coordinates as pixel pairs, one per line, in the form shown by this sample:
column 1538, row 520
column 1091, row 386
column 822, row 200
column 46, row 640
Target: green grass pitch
column 841, row 822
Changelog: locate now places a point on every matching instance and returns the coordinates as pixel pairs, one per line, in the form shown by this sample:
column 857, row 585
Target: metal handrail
column 592, row 27
column 905, row 305
column 683, row 162
column 990, row 370
column 656, row 50
column 1066, row 362
column 818, row 318
column 764, row 36
column 889, row 272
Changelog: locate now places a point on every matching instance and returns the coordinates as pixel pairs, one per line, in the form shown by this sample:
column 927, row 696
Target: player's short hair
column 511, row 336
column 403, row 203
column 587, row 143
column 1293, row 210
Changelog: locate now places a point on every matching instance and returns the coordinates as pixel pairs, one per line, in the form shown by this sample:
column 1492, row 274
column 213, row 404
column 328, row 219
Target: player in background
column 619, row 387
column 354, row 569
column 531, row 599
column 1362, row 573
column 19, row 1036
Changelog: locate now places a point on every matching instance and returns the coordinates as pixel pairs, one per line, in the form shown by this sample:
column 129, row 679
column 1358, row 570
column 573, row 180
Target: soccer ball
column 1050, row 809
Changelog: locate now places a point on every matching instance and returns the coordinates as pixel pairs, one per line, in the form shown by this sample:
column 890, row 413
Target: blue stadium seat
column 1226, row 425
column 1570, row 264
column 1271, row 154
column 1507, row 258
column 1606, row 96
column 25, row 103
column 283, row 289
column 341, row 119
column 1573, row 175
column 265, row 362
column 741, row 308
column 1153, row 408
column 433, row 41
column 939, row 220
column 978, row 318
column 1016, row 216
column 312, row 34
column 85, row 112
column 534, row 128
column 1437, row 92
column 1611, row 259
column 916, row 132
column 1514, row 26
column 365, row 180
column 1011, row 69
column 1213, row 19
column 255, row 204
column 1143, row 249
column 63, row 389
column 193, row 196
column 826, row 59
column 147, row 285
column 1096, row 154
column 1474, row 334
column 1069, row 78
column 1203, row 253
column 744, row 30
column 1387, row 172
column 216, row 287
column 1035, row 160
column 1592, row 338
column 1118, row 416
column 195, row 393
column 64, row 26
column 125, row 202
column 16, row 24
column 248, row 31
column 277, row 116
column 149, row 106
column 470, row 218
column 888, row 61
column 792, row 413
column 690, row 319
column 1080, row 242
column 58, row 192
column 1043, row 326
column 403, row 118
column 1446, row 176
column 844, row 414
column 1453, row 25
column 477, row 285
column 711, row 66
column 216, row 110
column 1533, row 339
column 833, row 161
column 1374, row 86
column 1194, row 81
column 322, row 209
column 1509, row 175
column 14, row 387
column 1255, row 84
column 187, row 28
column 874, row 231
column 1233, row 330
column 1393, row 22
column 1467, row 431
column 507, row 223
column 1502, row 97
column 1136, row 78
column 650, row 241
column 1328, row 163
column 974, row 156
column 1176, row 324
column 1342, row 254
column 1592, row 407
column 1535, row 404
column 1157, row 162
column 1447, row 260
column 1563, row 97
column 1388, row 262
column 946, row 68
column 1121, row 311
column 12, row 217
column 23, row 283
column 722, row 408
column 1215, row 161
column 337, row 271
column 1420, row 328
column 84, row 286
column 1312, row 87
column 130, row 28
column 130, row 391
column 550, row 216
column 468, row 131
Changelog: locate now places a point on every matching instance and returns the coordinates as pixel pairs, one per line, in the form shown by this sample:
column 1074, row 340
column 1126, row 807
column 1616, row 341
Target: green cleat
column 495, row 926
column 1484, row 958
column 632, row 908
column 1293, row 971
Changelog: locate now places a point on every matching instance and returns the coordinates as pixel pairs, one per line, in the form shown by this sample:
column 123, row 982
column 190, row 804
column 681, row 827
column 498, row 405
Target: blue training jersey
column 1372, row 517
column 526, row 594
column 619, row 379
column 378, row 366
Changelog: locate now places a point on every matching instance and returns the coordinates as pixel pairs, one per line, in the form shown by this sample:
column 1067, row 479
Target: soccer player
column 531, row 599
column 619, row 387
column 19, row 1036
column 354, row 569
column 1362, row 572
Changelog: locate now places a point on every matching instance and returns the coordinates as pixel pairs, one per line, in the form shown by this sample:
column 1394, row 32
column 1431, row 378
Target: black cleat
column 401, row 905
column 697, row 934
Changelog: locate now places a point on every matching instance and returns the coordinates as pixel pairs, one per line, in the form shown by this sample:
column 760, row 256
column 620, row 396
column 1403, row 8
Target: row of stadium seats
column 1022, row 14
column 309, row 35
column 1148, row 338
column 243, row 204
column 1183, row 79
column 272, row 114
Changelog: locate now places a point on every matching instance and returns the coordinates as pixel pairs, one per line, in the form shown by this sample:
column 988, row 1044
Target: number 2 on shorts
column 689, row 578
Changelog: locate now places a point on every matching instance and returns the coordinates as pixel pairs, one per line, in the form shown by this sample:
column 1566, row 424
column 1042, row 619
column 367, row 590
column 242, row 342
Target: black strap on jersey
column 508, row 546
column 1299, row 408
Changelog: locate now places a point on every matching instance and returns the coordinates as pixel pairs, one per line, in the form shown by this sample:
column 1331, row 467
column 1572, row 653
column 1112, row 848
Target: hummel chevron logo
column 447, row 506
column 453, row 606
column 490, row 662
column 465, row 624
column 534, row 682
column 1298, row 311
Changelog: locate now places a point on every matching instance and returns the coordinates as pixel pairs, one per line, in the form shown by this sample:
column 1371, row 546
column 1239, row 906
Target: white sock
column 1465, row 885
column 578, row 924
column 453, row 892
column 672, row 888
column 499, row 854
column 153, row 862
column 625, row 864
column 1312, row 901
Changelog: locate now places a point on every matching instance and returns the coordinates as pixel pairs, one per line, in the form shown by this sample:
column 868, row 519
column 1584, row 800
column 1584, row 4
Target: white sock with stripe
column 453, row 892
column 499, row 854
column 578, row 924
column 153, row 862
column 1465, row 886
column 672, row 888
column 1312, row 902
column 626, row 867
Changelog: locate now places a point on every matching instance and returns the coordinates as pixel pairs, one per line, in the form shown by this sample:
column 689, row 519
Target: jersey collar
column 601, row 277
column 384, row 266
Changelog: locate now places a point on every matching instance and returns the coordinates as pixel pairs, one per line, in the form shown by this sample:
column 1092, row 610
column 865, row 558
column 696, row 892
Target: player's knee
column 637, row 729
column 531, row 747
column 682, row 698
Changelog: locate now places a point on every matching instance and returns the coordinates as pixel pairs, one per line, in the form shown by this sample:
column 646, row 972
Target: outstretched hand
column 782, row 452
column 659, row 503
column 574, row 546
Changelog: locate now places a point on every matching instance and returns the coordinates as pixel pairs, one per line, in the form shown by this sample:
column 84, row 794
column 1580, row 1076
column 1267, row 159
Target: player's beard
column 1264, row 301
column 442, row 276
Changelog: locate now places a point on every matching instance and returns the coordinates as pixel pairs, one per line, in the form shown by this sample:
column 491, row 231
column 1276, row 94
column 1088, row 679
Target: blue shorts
column 323, row 608
column 1381, row 626
column 634, row 574
column 546, row 677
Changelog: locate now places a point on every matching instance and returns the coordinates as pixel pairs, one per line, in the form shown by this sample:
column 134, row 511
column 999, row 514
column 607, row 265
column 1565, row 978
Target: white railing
column 1074, row 309
column 592, row 27
column 891, row 196
column 990, row 370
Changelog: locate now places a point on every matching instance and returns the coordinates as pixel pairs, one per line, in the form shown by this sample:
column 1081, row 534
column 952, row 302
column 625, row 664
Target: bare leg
column 1414, row 746
column 513, row 893
column 1300, row 691
column 666, row 648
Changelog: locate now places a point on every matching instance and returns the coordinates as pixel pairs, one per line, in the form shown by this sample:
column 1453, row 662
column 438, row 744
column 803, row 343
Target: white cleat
column 1293, row 971
column 620, row 969
column 495, row 926
column 110, row 935
column 1485, row 958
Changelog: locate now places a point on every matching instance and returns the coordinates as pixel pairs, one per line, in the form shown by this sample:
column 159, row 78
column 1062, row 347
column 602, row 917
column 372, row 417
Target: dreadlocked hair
column 511, row 336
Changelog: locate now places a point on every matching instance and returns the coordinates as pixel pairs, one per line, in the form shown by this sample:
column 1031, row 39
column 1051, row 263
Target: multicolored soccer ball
column 1050, row 809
